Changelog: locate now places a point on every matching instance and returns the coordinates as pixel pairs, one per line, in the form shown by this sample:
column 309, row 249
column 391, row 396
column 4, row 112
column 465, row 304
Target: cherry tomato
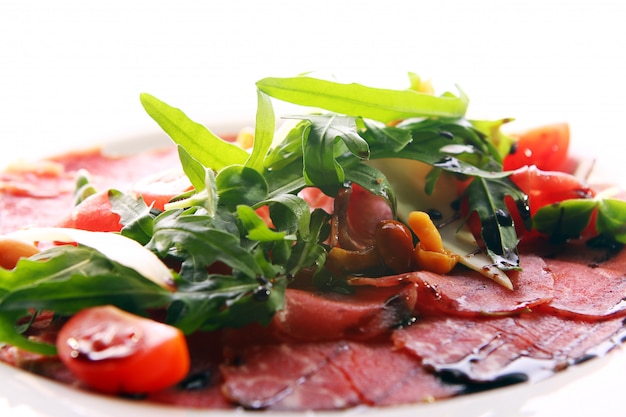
column 94, row 214
column 547, row 187
column 115, row 352
column 545, row 146
column 317, row 199
column 159, row 188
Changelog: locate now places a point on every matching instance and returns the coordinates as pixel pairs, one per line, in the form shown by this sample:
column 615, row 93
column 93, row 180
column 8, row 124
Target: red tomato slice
column 545, row 146
column 547, row 187
column 115, row 352
column 317, row 199
column 94, row 214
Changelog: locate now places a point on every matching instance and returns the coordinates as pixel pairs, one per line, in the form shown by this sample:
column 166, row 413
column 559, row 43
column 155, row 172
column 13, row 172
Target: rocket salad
column 242, row 234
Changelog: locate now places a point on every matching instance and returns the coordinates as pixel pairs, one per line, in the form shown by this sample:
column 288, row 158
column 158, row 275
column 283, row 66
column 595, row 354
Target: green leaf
column 199, row 244
column 237, row 185
column 290, row 213
column 9, row 334
column 308, row 251
column 388, row 138
column 564, row 220
column 450, row 145
column 321, row 169
column 222, row 301
column 68, row 279
column 202, row 144
column 289, row 151
column 135, row 216
column 195, row 171
column 361, row 101
column 611, row 220
column 263, row 132
column 491, row 128
column 342, row 128
column 256, row 227
column 372, row 180
column 486, row 197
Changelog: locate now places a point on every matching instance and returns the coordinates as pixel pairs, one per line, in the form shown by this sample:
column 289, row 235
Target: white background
column 71, row 71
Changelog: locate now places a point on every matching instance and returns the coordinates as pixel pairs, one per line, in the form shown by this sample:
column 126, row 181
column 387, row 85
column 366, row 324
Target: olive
column 395, row 244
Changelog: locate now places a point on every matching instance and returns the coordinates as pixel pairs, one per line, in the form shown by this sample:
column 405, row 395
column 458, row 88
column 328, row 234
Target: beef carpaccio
column 382, row 250
column 409, row 337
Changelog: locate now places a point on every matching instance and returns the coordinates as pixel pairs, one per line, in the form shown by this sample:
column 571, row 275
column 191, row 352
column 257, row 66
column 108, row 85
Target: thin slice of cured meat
column 589, row 281
column 467, row 293
column 333, row 375
column 529, row 346
column 202, row 387
column 369, row 313
column 356, row 212
column 41, row 193
column 585, row 292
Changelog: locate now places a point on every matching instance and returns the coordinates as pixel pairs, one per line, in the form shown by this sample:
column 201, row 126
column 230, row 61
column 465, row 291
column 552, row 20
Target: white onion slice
column 112, row 245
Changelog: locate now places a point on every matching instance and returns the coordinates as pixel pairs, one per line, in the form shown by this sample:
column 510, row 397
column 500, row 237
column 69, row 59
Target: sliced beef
column 41, row 193
column 355, row 216
column 331, row 375
column 529, row 346
column 119, row 172
column 587, row 293
column 589, row 279
column 202, row 387
column 467, row 293
column 368, row 314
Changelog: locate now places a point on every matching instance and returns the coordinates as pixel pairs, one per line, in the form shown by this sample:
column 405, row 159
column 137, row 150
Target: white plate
column 591, row 388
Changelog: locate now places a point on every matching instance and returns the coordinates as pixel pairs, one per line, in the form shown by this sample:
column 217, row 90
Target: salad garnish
column 244, row 214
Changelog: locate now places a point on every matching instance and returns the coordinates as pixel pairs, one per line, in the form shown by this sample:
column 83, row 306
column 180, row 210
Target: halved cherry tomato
column 547, row 187
column 114, row 352
column 315, row 198
column 159, row 188
column 95, row 214
column 545, row 146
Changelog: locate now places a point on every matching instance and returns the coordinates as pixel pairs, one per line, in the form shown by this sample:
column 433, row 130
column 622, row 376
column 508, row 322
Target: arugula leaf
column 564, row 220
column 256, row 227
column 486, row 197
column 290, row 213
column 263, row 132
column 223, row 301
column 68, row 279
column 491, row 128
column 358, row 100
column 205, row 146
column 343, row 128
column 569, row 218
column 611, row 220
column 193, row 169
column 320, row 168
column 134, row 214
column 10, row 334
column 238, row 184
column 196, row 240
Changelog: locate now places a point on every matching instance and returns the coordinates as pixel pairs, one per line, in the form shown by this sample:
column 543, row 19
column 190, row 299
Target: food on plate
column 378, row 248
